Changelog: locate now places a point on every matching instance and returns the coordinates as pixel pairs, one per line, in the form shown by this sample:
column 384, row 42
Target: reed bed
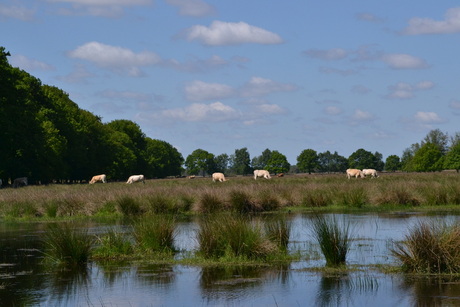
column 240, row 194
column 430, row 248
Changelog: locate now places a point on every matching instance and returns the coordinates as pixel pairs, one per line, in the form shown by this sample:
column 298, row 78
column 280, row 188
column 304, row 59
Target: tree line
column 46, row 137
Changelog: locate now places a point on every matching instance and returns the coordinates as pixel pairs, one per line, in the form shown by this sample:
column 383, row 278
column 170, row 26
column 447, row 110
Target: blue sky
column 223, row 75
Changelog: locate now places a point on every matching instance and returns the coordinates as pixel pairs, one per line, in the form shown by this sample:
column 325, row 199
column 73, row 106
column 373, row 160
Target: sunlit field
column 240, row 194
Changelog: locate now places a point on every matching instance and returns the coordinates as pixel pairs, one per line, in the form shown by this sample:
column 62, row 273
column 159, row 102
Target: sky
column 224, row 75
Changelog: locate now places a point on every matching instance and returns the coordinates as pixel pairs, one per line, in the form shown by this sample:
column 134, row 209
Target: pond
column 25, row 281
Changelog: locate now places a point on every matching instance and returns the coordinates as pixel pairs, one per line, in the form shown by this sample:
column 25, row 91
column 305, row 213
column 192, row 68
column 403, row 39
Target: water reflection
column 432, row 291
column 341, row 289
column 67, row 283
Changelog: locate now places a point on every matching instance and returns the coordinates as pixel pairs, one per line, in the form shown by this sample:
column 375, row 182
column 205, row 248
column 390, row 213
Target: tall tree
column 365, row 159
column 307, row 161
column 260, row 162
column 221, row 162
column 328, row 162
column 427, row 159
column 162, row 159
column 240, row 161
column 392, row 163
column 199, row 161
column 278, row 163
column 452, row 160
column 437, row 138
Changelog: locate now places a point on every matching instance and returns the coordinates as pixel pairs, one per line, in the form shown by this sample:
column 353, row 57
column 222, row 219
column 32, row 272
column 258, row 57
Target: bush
column 129, row 206
column 156, row 234
column 113, row 245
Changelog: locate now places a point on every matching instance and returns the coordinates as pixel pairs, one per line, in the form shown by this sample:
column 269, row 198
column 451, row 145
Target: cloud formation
column 450, row 24
column 221, row 33
column 200, row 112
column 403, row 90
column 16, row 12
column 403, row 61
column 29, row 64
column 117, row 59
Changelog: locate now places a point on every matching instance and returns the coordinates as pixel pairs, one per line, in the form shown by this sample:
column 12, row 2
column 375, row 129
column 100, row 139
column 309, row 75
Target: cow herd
column 220, row 177
column 357, row 173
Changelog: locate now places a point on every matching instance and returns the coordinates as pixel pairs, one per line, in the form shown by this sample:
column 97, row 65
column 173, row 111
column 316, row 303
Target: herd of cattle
column 351, row 172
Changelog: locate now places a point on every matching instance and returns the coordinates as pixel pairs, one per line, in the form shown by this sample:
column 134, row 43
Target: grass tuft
column 333, row 239
column 156, row 234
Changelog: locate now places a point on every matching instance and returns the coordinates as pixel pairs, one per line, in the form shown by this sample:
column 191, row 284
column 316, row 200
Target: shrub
column 430, row 248
column 241, row 202
column 354, row 197
column 160, row 203
column 209, row 203
column 333, row 239
column 316, row 198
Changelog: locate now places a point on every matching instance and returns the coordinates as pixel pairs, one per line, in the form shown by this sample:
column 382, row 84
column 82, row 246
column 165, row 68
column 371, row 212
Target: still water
column 24, row 281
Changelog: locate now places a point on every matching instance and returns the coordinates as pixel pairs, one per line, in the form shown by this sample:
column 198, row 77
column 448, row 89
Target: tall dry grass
column 240, row 194
column 430, row 247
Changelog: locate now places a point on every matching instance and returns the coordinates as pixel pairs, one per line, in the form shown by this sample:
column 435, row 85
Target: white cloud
column 269, row 109
column 427, row 118
column 361, row 117
column 114, row 58
column 199, row 91
column 16, row 12
column 79, row 75
column 258, row 86
column 329, row 55
column 26, row 63
column 230, row 33
column 450, row 24
column 194, row 8
column 403, row 90
column 333, row 110
column 403, row 61
column 198, row 112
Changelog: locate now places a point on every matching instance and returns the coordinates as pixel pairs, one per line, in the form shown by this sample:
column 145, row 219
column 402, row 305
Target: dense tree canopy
column 46, row 136
column 277, row 163
column 307, row 161
column 365, row 159
column 240, row 162
column 331, row 163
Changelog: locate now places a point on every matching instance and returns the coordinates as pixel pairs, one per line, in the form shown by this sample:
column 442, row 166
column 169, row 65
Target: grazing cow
column 280, row 175
column 191, row 177
column 261, row 173
column 370, row 172
column 136, row 178
column 98, row 178
column 352, row 172
column 20, row 182
column 218, row 177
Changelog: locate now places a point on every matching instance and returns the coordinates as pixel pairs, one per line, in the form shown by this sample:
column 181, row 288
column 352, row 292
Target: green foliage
column 129, row 206
column 332, row 163
column 199, row 161
column 261, row 161
column 333, row 239
column 277, row 163
column 232, row 236
column 427, row 159
column 221, row 163
column 66, row 245
column 452, row 160
column 307, row 161
column 361, row 159
column 240, row 161
column 156, row 234
column 392, row 163
column 279, row 232
column 113, row 244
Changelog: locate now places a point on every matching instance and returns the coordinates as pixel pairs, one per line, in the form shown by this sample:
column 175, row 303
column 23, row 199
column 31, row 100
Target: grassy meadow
column 243, row 194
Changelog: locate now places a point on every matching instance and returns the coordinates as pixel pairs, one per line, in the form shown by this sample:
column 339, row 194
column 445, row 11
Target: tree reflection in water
column 432, row 290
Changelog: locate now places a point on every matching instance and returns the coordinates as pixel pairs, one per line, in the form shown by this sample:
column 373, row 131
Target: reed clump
column 279, row 231
column 334, row 239
column 66, row 245
column 113, row 245
column 430, row 247
column 230, row 236
column 129, row 206
column 156, row 234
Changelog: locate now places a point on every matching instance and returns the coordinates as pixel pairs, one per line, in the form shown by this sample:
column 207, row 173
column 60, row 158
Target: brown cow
column 98, row 178
column 353, row 172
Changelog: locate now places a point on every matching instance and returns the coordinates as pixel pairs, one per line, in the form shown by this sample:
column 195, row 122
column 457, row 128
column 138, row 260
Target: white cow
column 218, row 177
column 353, row 172
column 136, row 178
column 19, row 182
column 261, row 173
column 370, row 172
column 99, row 178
